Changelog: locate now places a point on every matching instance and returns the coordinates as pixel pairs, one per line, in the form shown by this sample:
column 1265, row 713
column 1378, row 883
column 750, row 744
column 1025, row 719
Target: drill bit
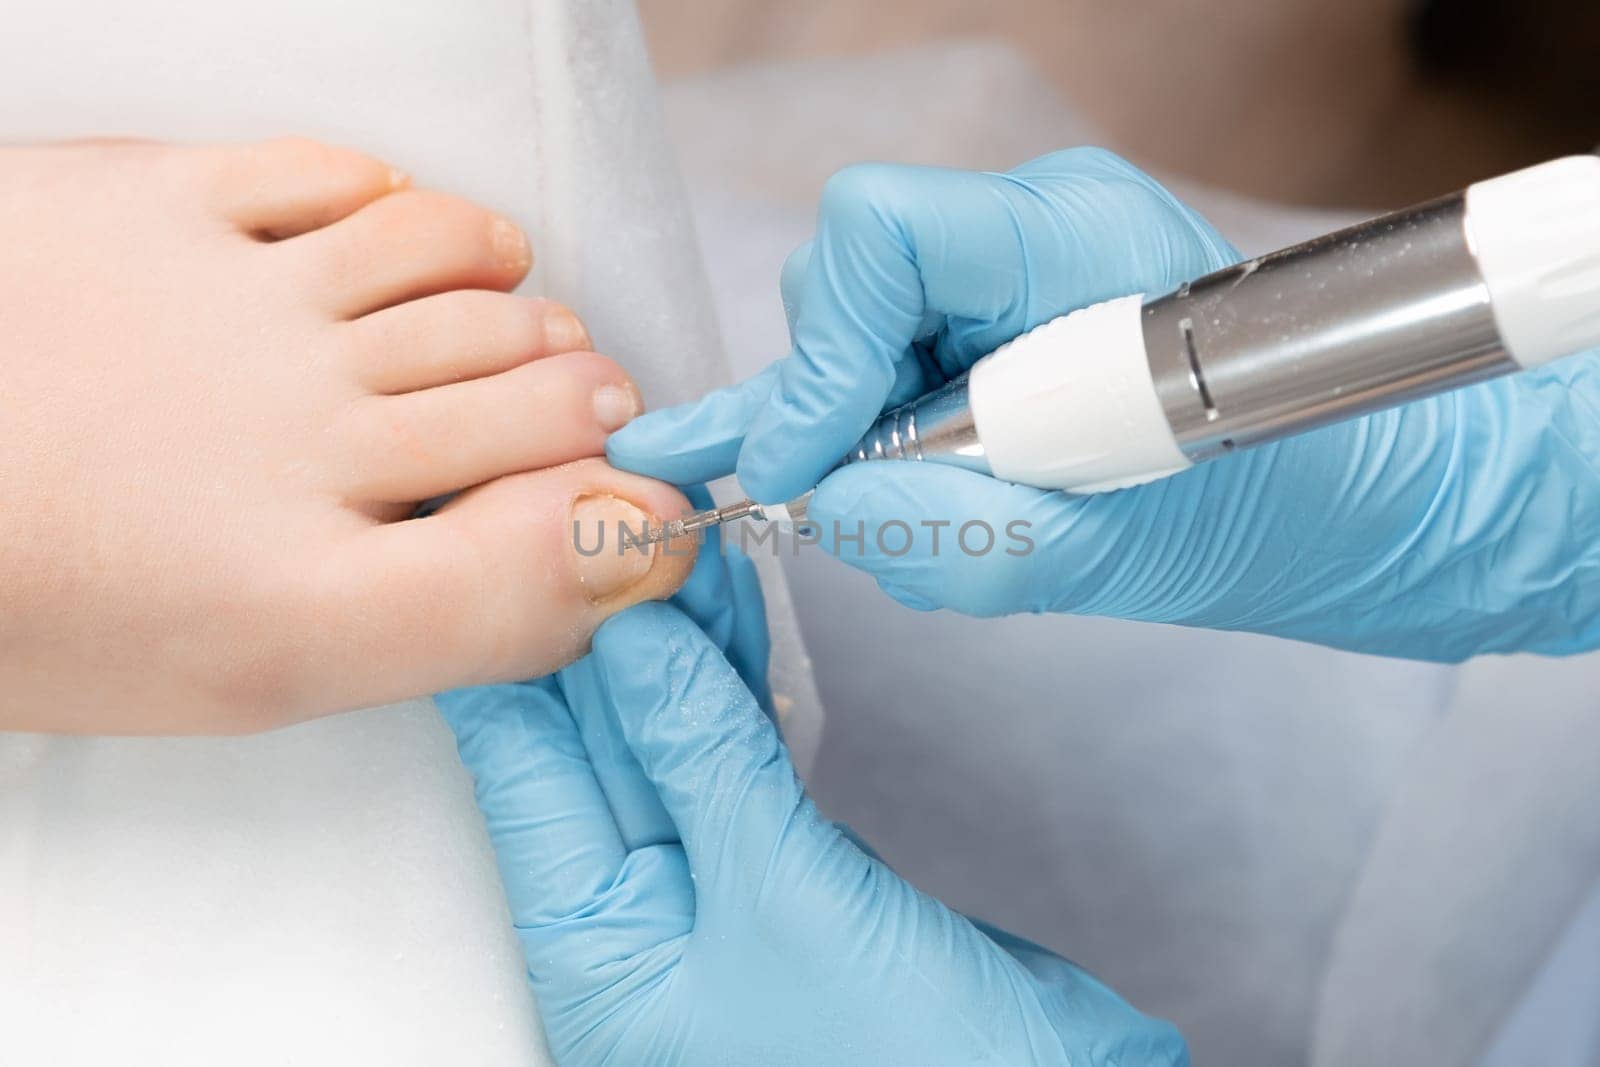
column 701, row 520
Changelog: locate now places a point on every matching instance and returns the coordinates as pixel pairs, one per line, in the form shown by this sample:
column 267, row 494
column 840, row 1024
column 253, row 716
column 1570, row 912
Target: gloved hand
column 1457, row 525
column 682, row 903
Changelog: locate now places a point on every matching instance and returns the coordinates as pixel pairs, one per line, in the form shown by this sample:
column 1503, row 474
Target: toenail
column 510, row 245
column 615, row 406
column 564, row 331
column 398, row 179
column 607, row 541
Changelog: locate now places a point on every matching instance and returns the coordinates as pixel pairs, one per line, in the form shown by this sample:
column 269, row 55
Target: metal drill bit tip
column 701, row 520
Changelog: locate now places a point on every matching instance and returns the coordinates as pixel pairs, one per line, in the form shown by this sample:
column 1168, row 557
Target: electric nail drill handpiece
column 1498, row 278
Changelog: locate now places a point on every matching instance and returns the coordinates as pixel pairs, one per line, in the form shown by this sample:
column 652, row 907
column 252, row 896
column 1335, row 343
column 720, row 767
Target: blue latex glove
column 1457, row 525
column 682, row 903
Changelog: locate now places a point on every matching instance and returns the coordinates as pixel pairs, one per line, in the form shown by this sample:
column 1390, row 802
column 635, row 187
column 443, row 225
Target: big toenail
column 510, row 245
column 608, row 544
column 615, row 406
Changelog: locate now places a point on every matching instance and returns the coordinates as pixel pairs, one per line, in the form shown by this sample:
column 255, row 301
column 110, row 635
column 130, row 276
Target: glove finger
column 554, row 836
column 707, row 595
column 634, row 804
column 699, row 441
column 911, row 377
column 993, row 254
column 1115, row 231
column 860, row 307
column 1148, row 239
column 641, row 820
column 941, row 536
column 631, row 940
column 694, row 442
column 723, row 597
column 714, row 757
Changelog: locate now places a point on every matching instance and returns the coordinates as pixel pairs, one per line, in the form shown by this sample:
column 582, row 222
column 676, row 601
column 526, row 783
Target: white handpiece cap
column 1070, row 404
column 1536, row 236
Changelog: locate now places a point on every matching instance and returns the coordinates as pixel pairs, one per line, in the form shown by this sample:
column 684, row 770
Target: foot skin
column 227, row 376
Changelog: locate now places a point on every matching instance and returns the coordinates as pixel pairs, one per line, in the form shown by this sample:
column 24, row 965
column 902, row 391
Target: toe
column 499, row 585
column 418, row 445
column 276, row 189
column 412, row 244
column 454, row 336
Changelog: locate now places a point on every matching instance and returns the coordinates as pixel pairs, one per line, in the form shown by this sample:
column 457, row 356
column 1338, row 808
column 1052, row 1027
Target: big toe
column 507, row 581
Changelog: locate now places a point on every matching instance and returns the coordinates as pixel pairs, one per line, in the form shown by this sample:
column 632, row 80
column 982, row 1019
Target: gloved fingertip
column 654, row 426
column 694, row 442
column 640, row 440
column 670, row 446
column 640, row 622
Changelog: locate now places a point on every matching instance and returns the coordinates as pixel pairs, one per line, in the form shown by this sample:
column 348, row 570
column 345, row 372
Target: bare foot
column 227, row 375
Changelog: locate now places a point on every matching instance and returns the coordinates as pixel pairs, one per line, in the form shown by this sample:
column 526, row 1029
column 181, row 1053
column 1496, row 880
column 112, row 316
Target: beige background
column 1306, row 102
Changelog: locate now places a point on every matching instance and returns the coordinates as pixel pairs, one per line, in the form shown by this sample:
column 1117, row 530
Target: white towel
column 325, row 894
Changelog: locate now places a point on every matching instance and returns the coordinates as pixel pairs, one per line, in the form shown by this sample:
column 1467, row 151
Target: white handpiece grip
column 1536, row 236
column 1070, row 404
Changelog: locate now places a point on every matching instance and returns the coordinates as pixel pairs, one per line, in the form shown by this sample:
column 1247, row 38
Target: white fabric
column 319, row 895
column 1298, row 855
column 325, row 894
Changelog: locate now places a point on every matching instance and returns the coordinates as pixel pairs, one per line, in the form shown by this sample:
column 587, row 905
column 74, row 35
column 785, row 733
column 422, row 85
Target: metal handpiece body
column 1500, row 277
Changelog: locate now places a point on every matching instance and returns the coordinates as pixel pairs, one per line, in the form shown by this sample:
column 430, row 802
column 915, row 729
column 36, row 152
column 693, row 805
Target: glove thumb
column 701, row 738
